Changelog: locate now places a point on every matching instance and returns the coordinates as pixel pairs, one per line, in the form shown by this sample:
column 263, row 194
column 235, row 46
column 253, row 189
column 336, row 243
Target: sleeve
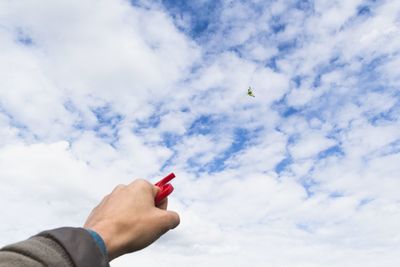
column 62, row 247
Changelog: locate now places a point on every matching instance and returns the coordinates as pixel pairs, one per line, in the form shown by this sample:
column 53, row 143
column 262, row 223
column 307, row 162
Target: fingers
column 144, row 186
column 141, row 185
column 155, row 190
column 163, row 204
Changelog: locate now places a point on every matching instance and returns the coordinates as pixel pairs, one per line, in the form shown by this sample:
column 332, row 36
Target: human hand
column 128, row 220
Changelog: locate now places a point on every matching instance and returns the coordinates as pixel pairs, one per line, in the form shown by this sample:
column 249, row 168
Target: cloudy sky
column 307, row 173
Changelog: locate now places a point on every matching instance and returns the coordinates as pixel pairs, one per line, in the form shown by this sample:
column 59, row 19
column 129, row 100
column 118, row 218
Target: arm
column 63, row 247
column 126, row 220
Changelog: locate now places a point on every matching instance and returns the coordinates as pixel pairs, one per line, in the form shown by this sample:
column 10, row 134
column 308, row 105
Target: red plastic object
column 165, row 188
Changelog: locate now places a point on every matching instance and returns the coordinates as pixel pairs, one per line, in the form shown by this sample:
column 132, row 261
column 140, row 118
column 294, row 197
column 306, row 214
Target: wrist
column 99, row 241
column 106, row 236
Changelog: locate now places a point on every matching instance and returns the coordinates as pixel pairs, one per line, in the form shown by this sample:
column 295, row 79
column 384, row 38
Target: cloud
column 304, row 174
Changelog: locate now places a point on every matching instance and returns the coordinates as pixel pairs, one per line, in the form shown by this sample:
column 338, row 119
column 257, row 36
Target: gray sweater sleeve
column 62, row 247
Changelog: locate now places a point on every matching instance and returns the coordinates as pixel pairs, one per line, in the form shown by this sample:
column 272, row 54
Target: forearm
column 63, row 247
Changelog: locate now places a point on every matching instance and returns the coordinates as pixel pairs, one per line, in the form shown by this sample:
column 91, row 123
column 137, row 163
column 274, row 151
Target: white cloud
column 309, row 145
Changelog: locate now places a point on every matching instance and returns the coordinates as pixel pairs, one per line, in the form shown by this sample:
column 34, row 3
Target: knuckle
column 105, row 199
column 142, row 183
column 119, row 187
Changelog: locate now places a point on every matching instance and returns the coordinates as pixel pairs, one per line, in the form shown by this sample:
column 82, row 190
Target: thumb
column 168, row 220
column 174, row 219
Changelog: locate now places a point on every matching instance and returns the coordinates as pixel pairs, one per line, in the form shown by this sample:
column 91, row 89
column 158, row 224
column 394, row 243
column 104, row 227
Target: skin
column 128, row 220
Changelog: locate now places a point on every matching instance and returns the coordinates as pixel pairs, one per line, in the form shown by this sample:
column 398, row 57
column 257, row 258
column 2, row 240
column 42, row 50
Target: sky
column 97, row 93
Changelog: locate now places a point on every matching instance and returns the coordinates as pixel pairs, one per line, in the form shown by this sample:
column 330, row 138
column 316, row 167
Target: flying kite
column 250, row 92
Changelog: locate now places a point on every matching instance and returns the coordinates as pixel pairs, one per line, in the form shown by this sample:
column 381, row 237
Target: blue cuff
column 99, row 241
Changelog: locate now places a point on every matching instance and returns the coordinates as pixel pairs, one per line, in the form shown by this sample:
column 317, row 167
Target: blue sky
column 103, row 92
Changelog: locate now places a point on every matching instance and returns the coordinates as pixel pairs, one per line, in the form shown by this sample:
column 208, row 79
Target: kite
column 250, row 92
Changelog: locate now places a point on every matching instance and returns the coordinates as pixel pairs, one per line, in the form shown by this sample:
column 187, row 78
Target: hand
column 128, row 220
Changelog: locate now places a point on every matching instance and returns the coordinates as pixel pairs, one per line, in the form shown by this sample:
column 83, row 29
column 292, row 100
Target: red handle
column 165, row 188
